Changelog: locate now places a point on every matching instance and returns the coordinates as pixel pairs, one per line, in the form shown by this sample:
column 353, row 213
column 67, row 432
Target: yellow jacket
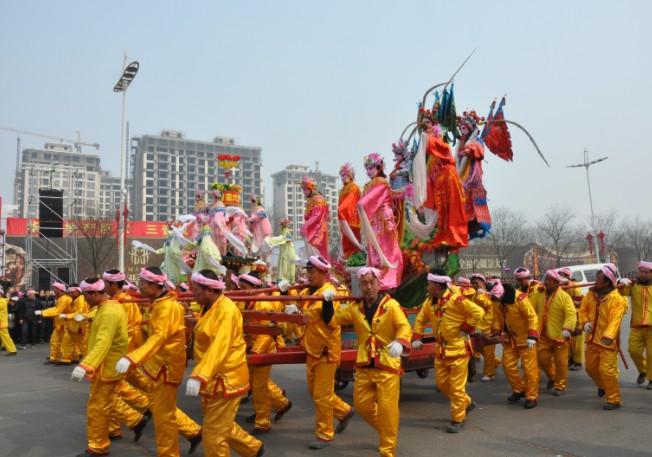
column 263, row 344
column 61, row 306
column 605, row 315
column 134, row 320
column 164, row 351
column 484, row 302
column 389, row 324
column 556, row 313
column 220, row 351
column 320, row 339
column 4, row 313
column 641, row 304
column 517, row 321
column 108, row 342
column 78, row 306
column 449, row 316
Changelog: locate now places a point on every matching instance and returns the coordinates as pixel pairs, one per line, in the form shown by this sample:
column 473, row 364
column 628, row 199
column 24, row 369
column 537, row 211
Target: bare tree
column 557, row 231
column 509, row 230
column 98, row 242
column 635, row 236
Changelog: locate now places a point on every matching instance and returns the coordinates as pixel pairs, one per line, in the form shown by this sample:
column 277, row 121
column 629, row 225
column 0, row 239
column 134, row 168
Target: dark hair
column 74, row 284
column 437, row 271
column 90, row 281
column 510, row 294
column 115, row 271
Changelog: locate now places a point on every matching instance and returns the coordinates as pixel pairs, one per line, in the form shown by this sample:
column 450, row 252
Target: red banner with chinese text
column 17, row 226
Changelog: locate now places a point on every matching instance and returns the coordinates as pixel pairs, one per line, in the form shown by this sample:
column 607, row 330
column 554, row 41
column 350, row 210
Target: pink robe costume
column 238, row 226
column 315, row 227
column 218, row 225
column 260, row 228
column 379, row 227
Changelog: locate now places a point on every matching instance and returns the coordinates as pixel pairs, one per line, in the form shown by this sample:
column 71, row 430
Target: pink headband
column 334, row 280
column 250, row 279
column 556, row 276
column 364, row 270
column 210, row 283
column 439, row 279
column 95, row 287
column 73, row 289
column 151, row 277
column 478, row 276
column 117, row 277
column 644, row 264
column 465, row 281
column 235, row 279
column 129, row 286
column 522, row 273
column 318, row 262
column 565, row 271
column 184, row 285
column 58, row 285
column 497, row 290
column 610, row 272
column 170, row 285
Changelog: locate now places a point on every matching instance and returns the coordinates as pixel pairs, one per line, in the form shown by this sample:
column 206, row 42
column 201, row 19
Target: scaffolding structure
column 51, row 253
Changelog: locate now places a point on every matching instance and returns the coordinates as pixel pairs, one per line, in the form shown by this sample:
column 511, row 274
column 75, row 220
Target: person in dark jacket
column 12, row 308
column 28, row 319
column 45, row 327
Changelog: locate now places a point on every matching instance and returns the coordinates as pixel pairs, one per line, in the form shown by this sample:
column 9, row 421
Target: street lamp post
column 128, row 75
column 586, row 165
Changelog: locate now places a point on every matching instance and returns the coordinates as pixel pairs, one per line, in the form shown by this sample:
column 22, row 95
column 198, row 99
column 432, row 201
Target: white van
column 585, row 274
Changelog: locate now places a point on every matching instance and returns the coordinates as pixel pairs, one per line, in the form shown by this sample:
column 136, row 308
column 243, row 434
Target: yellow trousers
column 98, row 414
column 450, row 377
column 132, row 396
column 164, row 408
column 375, row 397
column 72, row 346
column 640, row 341
column 221, row 432
column 55, row 343
column 553, row 359
column 6, row 341
column 578, row 349
column 141, row 382
column 602, row 367
column 259, row 381
column 320, row 377
column 490, row 361
column 529, row 382
column 279, row 401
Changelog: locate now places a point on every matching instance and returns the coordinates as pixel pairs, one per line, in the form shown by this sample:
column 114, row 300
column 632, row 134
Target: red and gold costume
column 640, row 332
column 605, row 315
column 378, row 375
column 220, row 354
column 347, row 211
column 449, row 316
column 315, row 227
column 62, row 306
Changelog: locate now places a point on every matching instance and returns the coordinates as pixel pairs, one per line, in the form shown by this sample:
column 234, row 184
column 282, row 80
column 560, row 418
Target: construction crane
column 77, row 144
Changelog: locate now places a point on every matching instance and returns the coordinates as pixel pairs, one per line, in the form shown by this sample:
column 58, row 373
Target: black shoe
column 641, row 378
column 260, row 431
column 261, row 450
column 318, row 444
column 115, row 437
column 49, row 362
column 62, row 364
column 251, row 419
column 344, row 422
column 550, row 384
column 649, row 385
column 601, row 393
column 138, row 429
column 195, row 442
column 148, row 414
column 611, row 406
column 455, row 427
column 471, row 407
column 515, row 397
column 558, row 393
column 529, row 404
column 279, row 415
column 88, row 453
column 10, row 354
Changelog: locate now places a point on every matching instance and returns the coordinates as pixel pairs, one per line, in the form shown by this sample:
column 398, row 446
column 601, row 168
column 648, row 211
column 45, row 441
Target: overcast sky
column 333, row 81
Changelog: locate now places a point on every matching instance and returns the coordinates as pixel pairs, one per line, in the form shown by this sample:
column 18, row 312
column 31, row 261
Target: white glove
column 192, row 387
column 78, row 374
column 123, row 365
column 62, row 316
column 530, row 343
column 565, row 334
column 38, row 312
column 395, row 349
column 329, row 295
column 624, row 282
column 80, row 317
column 479, row 291
column 291, row 309
column 283, row 285
column 588, row 327
column 417, row 344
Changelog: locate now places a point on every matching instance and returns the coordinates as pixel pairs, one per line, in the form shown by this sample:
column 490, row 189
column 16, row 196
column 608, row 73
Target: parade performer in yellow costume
column 384, row 333
column 601, row 314
column 162, row 356
column 323, row 344
column 557, row 320
column 516, row 322
column 74, row 339
column 640, row 332
column 5, row 339
column 488, row 351
column 61, row 307
column 453, row 318
column 528, row 286
column 576, row 359
column 220, row 375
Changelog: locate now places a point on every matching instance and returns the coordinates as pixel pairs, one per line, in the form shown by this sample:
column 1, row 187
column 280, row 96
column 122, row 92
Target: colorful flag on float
column 498, row 138
column 487, row 125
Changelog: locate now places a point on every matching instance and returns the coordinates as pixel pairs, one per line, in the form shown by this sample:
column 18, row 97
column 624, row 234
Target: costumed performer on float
column 316, row 217
column 399, row 179
column 286, row 269
column 379, row 225
column 220, row 230
column 347, row 213
column 260, row 227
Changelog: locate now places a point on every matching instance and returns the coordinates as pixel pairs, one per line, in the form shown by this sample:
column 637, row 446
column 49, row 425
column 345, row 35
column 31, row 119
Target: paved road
column 42, row 414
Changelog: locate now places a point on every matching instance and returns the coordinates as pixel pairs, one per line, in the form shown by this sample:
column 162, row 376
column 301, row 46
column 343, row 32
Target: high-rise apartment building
column 289, row 200
column 168, row 169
